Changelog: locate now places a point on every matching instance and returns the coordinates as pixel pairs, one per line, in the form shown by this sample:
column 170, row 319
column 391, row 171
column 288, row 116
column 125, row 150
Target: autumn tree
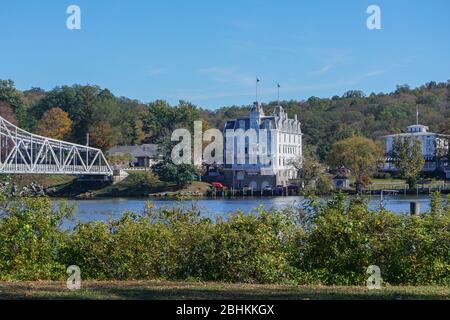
column 101, row 135
column 407, row 157
column 309, row 170
column 359, row 155
column 138, row 132
column 7, row 113
column 13, row 97
column 55, row 123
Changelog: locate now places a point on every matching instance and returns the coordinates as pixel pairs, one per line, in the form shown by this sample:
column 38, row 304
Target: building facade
column 144, row 155
column 275, row 141
column 434, row 146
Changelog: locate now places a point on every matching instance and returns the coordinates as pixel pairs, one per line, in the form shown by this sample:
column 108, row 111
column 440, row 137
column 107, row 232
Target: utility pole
column 87, row 150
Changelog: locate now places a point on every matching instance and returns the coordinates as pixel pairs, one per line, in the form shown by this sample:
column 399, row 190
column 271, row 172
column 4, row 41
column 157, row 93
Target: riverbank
column 160, row 190
column 139, row 185
column 174, row 290
column 134, row 186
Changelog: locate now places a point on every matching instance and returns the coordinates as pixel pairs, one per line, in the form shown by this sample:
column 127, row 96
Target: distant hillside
column 112, row 120
column 325, row 121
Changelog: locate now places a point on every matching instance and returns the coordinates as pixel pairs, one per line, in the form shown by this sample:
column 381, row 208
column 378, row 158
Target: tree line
column 114, row 120
column 71, row 112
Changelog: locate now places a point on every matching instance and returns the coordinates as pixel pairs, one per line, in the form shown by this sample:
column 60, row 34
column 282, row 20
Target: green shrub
column 144, row 179
column 30, row 239
column 329, row 242
column 251, row 248
column 382, row 175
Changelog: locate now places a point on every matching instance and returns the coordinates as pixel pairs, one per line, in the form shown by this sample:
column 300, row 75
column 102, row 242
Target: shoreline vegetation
column 137, row 185
column 321, row 244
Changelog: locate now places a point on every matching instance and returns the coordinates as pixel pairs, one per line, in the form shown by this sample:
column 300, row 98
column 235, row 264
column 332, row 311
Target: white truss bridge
column 24, row 152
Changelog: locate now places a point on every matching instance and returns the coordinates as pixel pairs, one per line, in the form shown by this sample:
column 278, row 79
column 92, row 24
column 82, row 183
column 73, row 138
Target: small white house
column 341, row 182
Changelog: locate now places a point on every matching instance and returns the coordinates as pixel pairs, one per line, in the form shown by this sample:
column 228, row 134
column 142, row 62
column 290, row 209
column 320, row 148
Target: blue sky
column 209, row 52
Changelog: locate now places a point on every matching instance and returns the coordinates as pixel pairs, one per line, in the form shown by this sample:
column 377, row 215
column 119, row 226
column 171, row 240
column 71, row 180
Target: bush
column 251, row 248
column 382, row 175
column 145, row 179
column 328, row 242
column 30, row 239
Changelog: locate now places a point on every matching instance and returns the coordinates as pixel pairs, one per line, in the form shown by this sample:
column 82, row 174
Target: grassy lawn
column 400, row 184
column 211, row 290
column 170, row 190
column 388, row 181
column 45, row 180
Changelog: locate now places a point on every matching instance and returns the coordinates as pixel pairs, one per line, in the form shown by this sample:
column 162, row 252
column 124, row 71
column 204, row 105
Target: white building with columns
column 278, row 139
column 434, row 146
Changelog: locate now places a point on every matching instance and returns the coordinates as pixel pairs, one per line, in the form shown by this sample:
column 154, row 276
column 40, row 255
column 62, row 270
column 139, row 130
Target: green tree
column 9, row 94
column 408, row 159
column 359, row 155
column 182, row 174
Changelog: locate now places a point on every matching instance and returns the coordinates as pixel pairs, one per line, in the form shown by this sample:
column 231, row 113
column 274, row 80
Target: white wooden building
column 282, row 146
column 433, row 146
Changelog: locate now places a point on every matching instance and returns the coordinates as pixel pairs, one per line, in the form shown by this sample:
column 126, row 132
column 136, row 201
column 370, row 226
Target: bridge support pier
column 118, row 175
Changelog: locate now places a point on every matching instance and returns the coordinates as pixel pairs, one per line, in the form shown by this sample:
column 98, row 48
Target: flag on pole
column 278, row 85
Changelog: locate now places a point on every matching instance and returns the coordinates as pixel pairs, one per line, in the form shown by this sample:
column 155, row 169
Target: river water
column 104, row 209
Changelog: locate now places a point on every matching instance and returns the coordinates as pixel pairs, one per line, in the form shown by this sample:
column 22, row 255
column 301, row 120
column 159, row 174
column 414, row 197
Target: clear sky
column 209, row 51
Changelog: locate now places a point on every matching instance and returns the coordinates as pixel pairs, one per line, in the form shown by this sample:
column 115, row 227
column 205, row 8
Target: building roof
column 278, row 120
column 409, row 134
column 143, row 150
column 416, row 130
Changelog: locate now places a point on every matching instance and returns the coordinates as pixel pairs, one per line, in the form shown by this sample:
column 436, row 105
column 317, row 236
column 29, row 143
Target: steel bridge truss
column 24, row 152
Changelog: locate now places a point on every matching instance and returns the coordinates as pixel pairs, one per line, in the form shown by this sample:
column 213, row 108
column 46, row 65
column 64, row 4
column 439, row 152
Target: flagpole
column 278, row 94
column 257, row 80
column 417, row 114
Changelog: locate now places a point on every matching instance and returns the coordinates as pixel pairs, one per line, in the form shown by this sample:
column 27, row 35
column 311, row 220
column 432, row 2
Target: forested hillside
column 70, row 112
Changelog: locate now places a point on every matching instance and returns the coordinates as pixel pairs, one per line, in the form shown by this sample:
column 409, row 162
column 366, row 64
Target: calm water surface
column 104, row 209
